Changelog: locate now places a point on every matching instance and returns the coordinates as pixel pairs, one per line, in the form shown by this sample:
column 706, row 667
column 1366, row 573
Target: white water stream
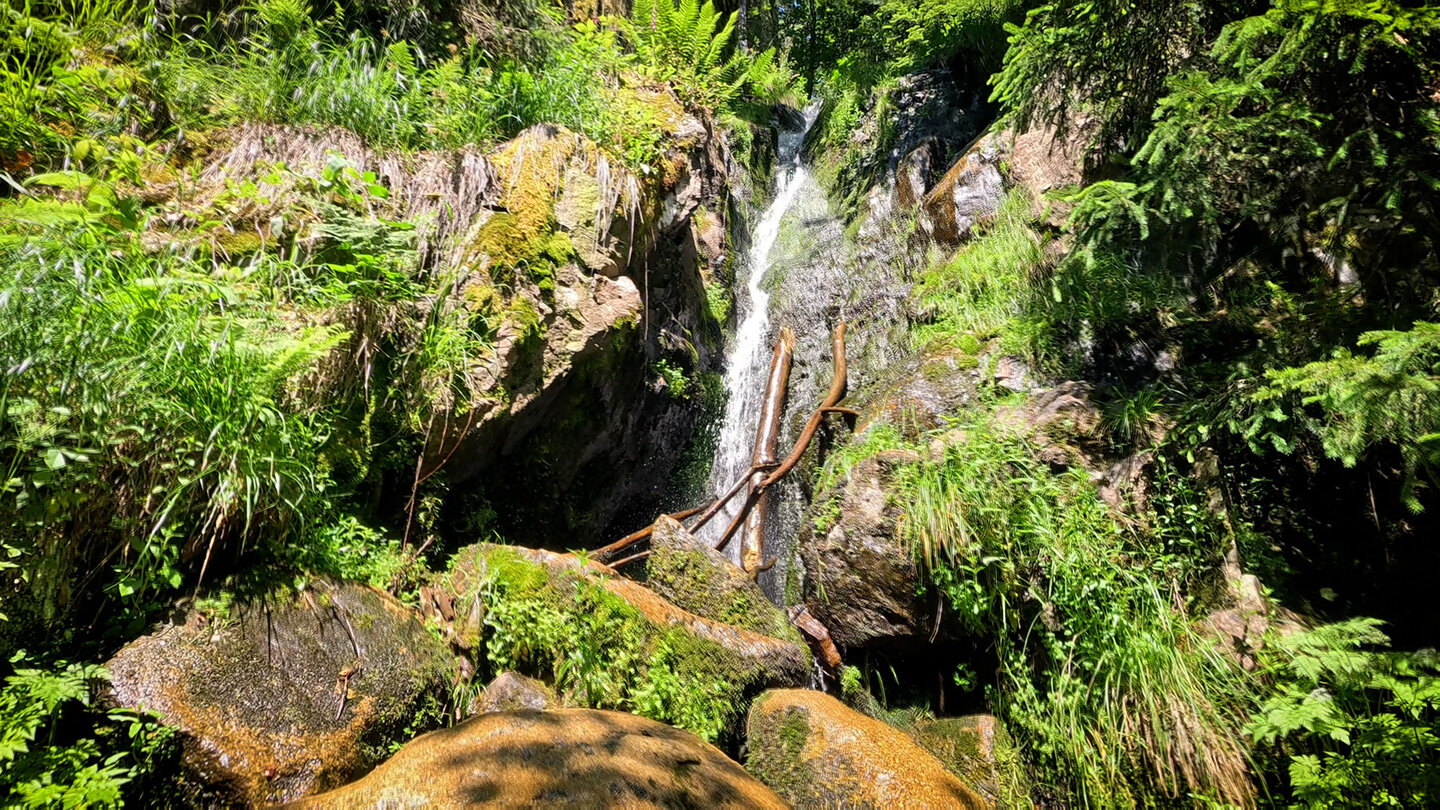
column 748, row 365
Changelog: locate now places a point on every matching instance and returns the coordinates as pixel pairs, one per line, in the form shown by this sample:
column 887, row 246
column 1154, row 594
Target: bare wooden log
column 758, row 484
column 837, row 390
column 635, row 537
column 767, row 437
column 818, row 636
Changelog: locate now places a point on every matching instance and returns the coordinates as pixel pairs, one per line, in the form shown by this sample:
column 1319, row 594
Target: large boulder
column 861, row 578
column 573, row 757
column 633, row 636
column 700, row 579
column 815, row 751
column 287, row 694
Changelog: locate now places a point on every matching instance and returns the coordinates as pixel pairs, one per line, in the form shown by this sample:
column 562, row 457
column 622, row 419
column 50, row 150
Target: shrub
column 1355, row 726
column 1116, row 697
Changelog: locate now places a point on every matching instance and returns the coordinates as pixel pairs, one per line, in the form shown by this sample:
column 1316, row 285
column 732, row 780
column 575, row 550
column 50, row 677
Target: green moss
column 525, row 317
column 598, row 649
column 238, row 245
column 719, row 301
column 957, row 742
column 776, row 750
column 693, row 581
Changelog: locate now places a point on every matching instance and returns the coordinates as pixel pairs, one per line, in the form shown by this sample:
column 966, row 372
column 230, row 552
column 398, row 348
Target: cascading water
column 749, row 362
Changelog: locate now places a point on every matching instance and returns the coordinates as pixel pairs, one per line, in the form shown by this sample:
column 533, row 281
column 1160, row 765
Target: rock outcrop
column 511, row 691
column 567, row 278
column 861, row 577
column 699, row 579
column 570, row 757
column 288, row 694
column 815, row 751
column 968, row 194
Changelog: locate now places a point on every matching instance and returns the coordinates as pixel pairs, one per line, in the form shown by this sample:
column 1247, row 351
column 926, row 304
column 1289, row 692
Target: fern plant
column 1357, row 726
column 688, row 44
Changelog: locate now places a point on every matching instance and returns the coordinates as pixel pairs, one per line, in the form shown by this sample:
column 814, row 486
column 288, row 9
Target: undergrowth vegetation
column 601, row 651
column 1103, row 674
column 1245, row 282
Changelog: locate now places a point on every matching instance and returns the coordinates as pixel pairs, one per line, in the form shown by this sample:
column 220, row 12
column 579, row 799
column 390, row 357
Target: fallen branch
column 631, row 539
column 767, row 436
column 818, row 636
column 756, row 476
column 632, row 558
column 837, row 390
column 714, row 508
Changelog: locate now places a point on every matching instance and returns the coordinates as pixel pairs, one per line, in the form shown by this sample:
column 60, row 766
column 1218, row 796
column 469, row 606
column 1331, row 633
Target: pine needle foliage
column 1391, row 397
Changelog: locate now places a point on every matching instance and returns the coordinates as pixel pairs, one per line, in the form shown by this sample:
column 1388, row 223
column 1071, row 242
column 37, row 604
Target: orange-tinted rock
column 977, row 749
column 571, row 757
column 969, row 193
column 289, row 694
column 815, row 751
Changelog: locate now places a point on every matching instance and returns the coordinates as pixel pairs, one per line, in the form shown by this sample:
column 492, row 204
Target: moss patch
column 605, row 644
column 776, row 750
column 699, row 580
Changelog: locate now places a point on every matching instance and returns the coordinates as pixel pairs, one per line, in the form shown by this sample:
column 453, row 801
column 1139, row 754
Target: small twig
column 635, row 537
column 342, row 686
column 632, row 558
column 715, row 507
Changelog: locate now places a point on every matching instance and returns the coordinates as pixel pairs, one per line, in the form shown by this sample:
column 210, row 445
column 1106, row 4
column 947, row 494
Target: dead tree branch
column 767, row 436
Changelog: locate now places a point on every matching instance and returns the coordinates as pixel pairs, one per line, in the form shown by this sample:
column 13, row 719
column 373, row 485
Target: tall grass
column 1114, row 694
column 148, row 413
column 987, row 285
column 290, row 67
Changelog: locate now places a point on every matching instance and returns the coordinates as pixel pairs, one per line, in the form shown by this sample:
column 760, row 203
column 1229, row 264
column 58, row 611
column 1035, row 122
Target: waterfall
column 748, row 364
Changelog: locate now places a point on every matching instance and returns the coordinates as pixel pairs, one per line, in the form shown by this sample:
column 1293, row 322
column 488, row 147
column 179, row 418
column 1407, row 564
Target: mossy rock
column 610, row 641
column 288, row 694
column 977, row 749
column 703, row 581
column 815, row 751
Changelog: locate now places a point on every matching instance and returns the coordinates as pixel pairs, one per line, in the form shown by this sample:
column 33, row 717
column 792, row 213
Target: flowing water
column 748, row 365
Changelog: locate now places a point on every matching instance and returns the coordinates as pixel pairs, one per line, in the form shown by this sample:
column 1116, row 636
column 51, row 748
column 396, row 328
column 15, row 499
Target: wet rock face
column 815, row 751
column 288, row 695
column 861, row 577
column 571, row 757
